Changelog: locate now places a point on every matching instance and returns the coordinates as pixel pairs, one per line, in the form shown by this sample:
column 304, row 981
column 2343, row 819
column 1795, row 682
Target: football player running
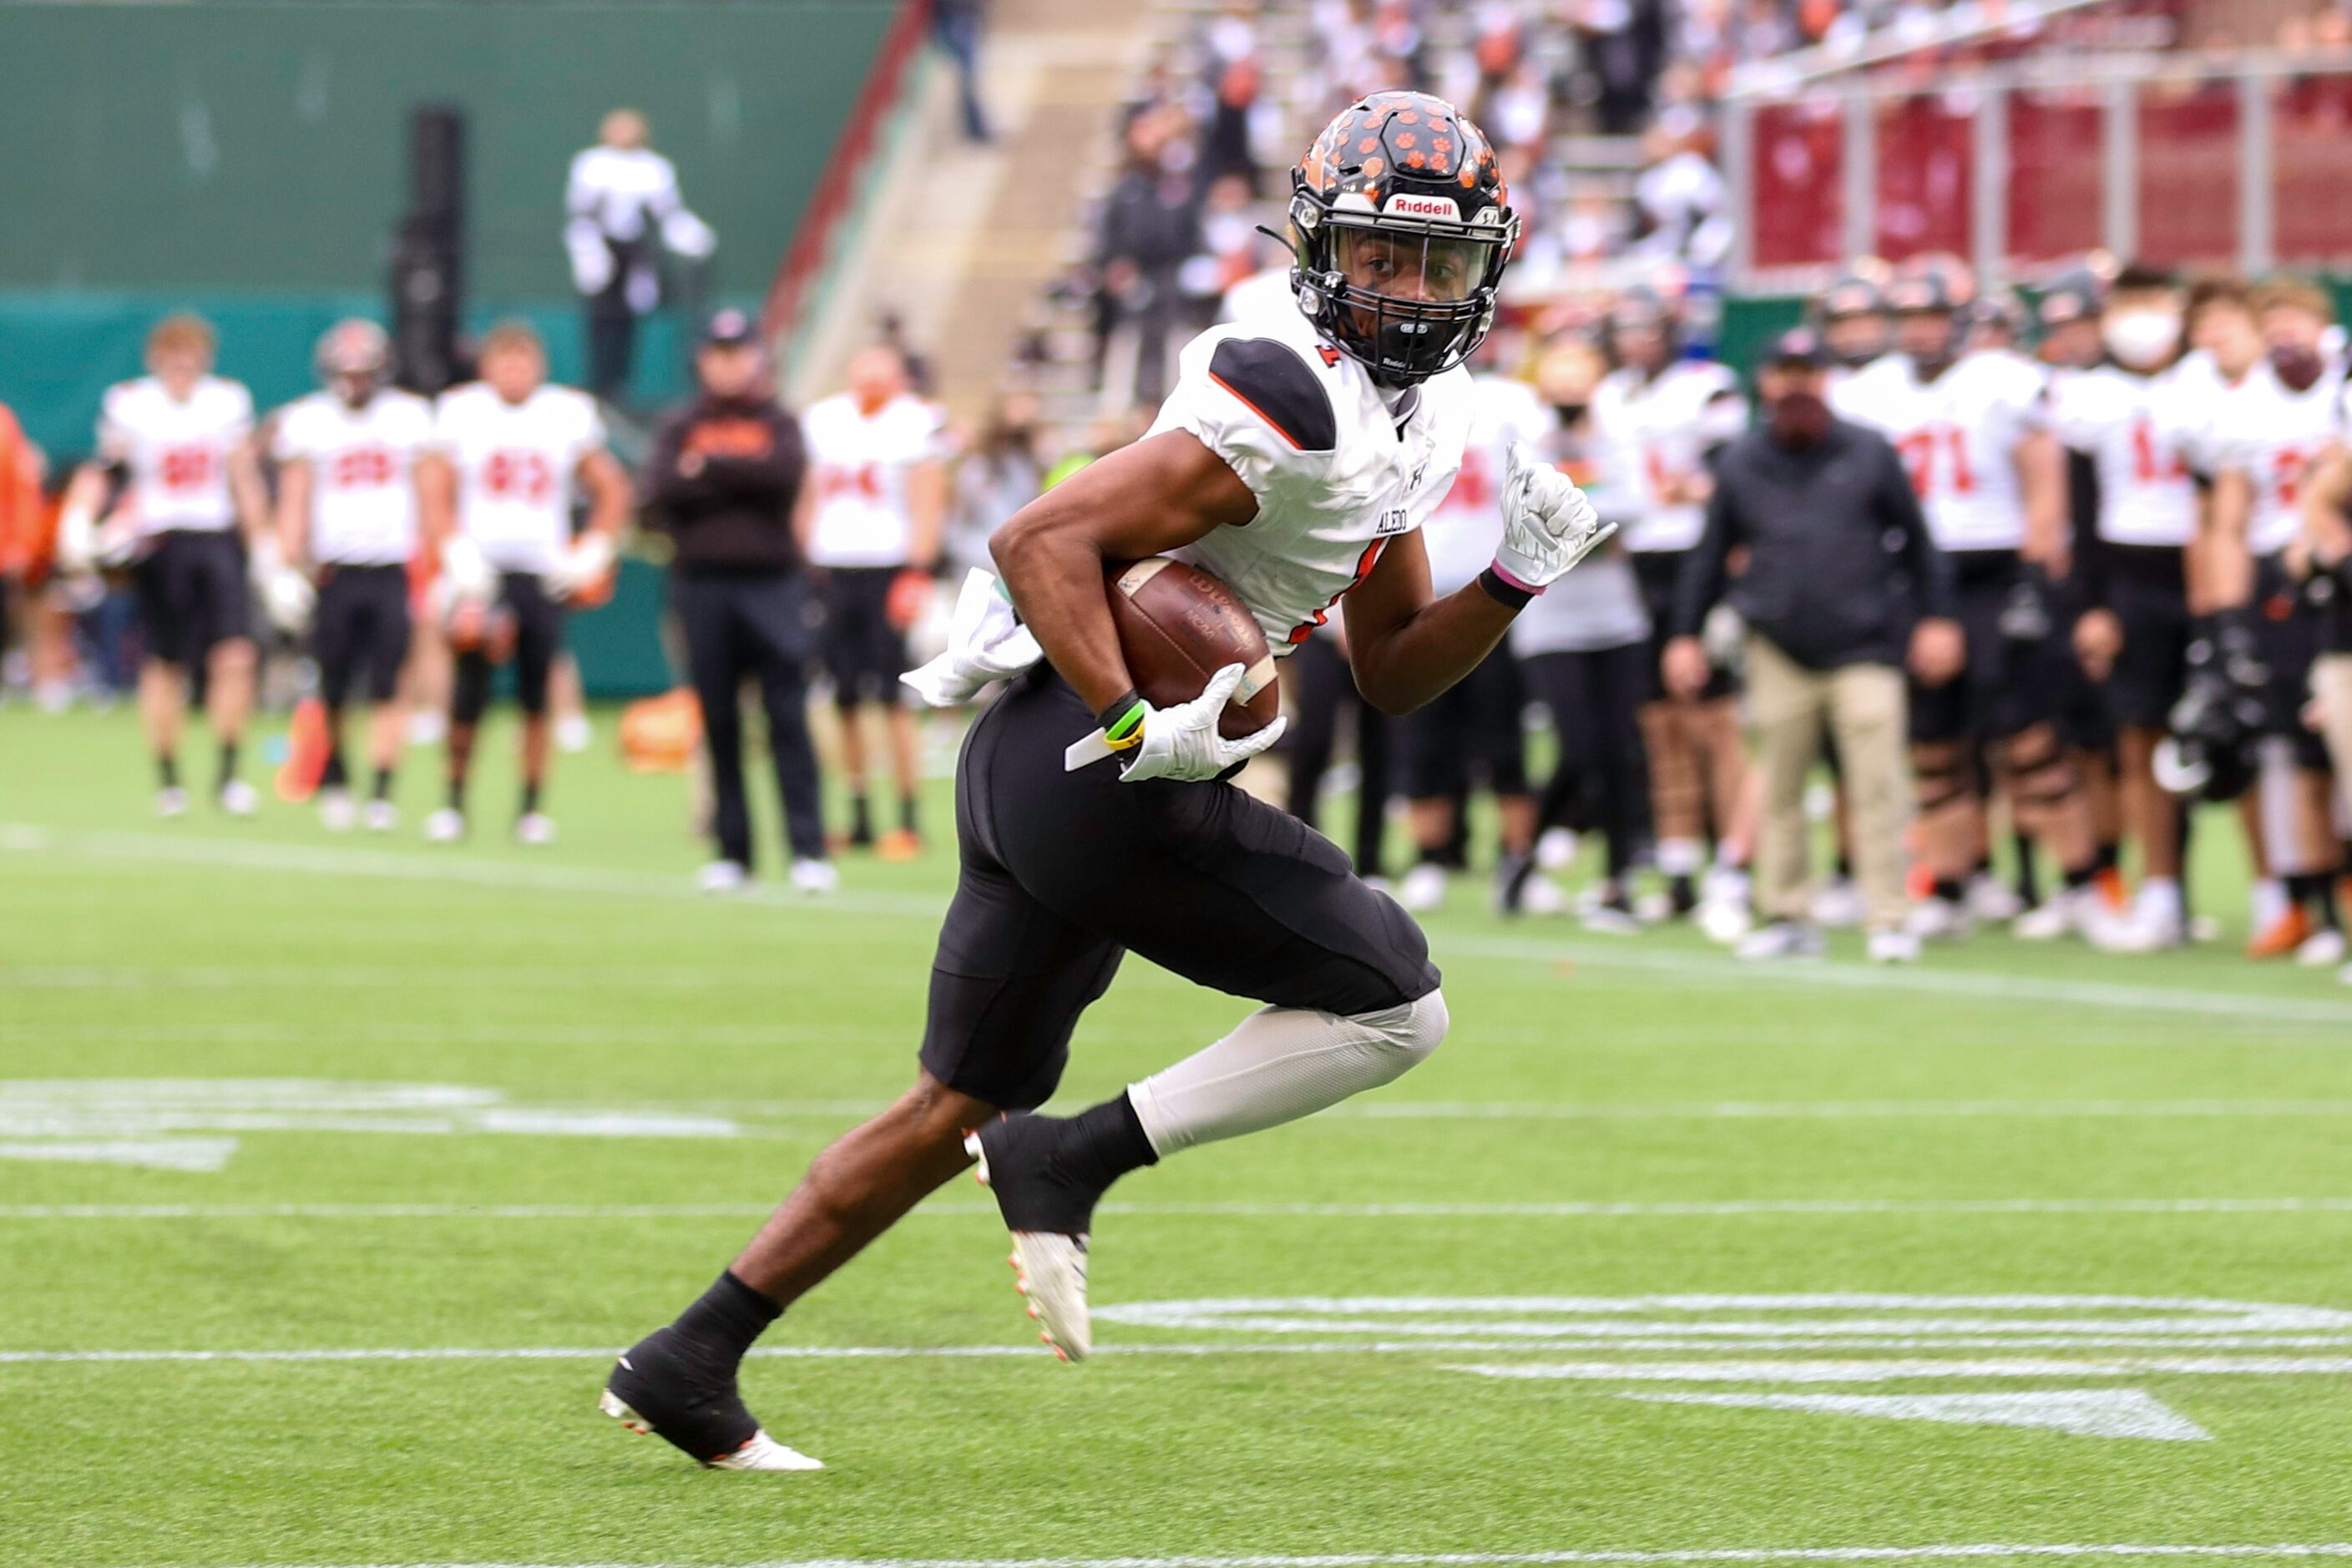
column 508, row 452
column 1971, row 429
column 175, row 447
column 347, row 522
column 1296, row 459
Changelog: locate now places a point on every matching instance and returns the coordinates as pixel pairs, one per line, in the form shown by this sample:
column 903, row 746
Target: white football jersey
column 2270, row 433
column 517, row 464
column 1665, row 425
column 1461, row 536
column 859, row 463
column 2139, row 431
column 362, row 473
column 1337, row 472
column 177, row 453
column 1959, row 437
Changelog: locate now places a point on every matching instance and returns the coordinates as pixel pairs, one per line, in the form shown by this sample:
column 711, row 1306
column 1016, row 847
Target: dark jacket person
column 725, row 481
column 1836, row 556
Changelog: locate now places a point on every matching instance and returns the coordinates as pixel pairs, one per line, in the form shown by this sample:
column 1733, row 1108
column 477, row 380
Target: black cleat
column 661, row 1389
column 1049, row 1211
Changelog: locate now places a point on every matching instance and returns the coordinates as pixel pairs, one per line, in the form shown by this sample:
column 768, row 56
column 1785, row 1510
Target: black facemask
column 1571, row 412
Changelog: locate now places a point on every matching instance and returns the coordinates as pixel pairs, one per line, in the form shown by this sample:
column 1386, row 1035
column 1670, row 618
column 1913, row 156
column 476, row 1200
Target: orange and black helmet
column 1402, row 227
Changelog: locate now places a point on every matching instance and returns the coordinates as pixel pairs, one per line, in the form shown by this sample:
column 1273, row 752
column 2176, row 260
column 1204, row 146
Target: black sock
column 228, row 763
column 458, row 793
column 167, row 773
column 530, row 796
column 2323, row 900
column 728, row 1317
column 382, row 784
column 332, row 776
column 1844, row 866
column 1949, row 890
column 2029, row 881
column 2110, row 857
column 861, row 818
column 906, row 812
column 2080, row 877
column 1104, row 1143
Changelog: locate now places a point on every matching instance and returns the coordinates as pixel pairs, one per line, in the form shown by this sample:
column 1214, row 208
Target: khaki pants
column 2332, row 679
column 1865, row 708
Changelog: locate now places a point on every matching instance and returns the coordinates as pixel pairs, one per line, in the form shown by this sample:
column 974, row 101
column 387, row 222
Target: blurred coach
column 1830, row 528
column 725, row 481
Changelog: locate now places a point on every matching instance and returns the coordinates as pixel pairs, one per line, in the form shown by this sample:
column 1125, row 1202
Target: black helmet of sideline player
column 351, row 358
column 1851, row 314
column 1401, row 228
column 2068, row 316
column 1995, row 319
column 1926, row 324
column 1643, row 326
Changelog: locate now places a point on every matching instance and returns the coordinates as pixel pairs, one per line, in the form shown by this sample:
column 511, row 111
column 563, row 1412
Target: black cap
column 730, row 329
column 1800, row 345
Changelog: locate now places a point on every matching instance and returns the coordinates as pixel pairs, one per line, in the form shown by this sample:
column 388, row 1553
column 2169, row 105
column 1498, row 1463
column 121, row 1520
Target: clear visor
column 1435, row 269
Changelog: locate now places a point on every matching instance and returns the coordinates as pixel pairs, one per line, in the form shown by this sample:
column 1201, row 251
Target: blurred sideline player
column 1472, row 734
column 1296, row 459
column 1970, row 429
column 1855, row 327
column 2324, row 557
column 2130, row 424
column 2275, row 413
column 497, row 488
column 1666, row 414
column 175, row 494
column 347, row 512
column 877, row 456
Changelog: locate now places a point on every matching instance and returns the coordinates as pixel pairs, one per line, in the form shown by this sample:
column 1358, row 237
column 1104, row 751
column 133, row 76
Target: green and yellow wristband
column 1122, row 722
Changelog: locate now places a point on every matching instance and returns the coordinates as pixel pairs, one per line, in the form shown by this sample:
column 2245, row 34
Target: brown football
column 1179, row 626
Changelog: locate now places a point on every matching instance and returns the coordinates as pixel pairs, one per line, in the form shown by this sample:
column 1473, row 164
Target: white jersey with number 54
column 1340, row 468
column 1959, row 436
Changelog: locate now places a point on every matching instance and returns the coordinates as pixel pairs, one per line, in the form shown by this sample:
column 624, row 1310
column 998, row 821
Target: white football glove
column 1548, row 524
column 77, row 547
column 583, row 566
column 464, row 581
column 286, row 594
column 986, row 643
column 1183, row 743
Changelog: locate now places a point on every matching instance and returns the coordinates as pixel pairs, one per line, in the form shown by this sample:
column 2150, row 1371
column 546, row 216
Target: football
column 1178, row 626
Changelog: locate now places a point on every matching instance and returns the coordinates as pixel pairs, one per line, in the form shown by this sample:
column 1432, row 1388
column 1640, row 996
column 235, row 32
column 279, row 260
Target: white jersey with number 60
column 177, row 452
column 1959, row 436
column 362, row 473
column 517, row 463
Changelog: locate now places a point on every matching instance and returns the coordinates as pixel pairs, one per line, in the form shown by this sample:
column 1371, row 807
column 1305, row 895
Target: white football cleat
column 171, row 801
column 1992, row 900
column 2321, row 949
column 1555, row 850
column 336, row 813
column 721, row 877
column 535, row 829
column 814, row 878
column 1939, row 920
column 239, row 798
column 380, row 816
column 1539, row 895
column 1781, row 938
column 1423, row 887
column 1723, row 920
column 759, row 1452
column 445, row 825
column 1049, row 1269
column 575, row 733
column 1892, row 947
column 2054, row 917
column 1837, row 905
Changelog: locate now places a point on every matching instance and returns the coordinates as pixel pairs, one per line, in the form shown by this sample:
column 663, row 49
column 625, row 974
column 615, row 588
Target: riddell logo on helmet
column 1410, row 205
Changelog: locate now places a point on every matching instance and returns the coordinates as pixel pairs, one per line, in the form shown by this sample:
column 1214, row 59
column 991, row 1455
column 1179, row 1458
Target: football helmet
column 352, row 358
column 1400, row 229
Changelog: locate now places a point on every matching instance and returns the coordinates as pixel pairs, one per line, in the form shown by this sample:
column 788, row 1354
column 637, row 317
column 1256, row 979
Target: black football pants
column 740, row 624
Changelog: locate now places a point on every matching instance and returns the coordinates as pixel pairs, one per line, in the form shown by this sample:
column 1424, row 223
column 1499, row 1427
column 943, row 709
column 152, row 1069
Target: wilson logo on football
column 1410, row 205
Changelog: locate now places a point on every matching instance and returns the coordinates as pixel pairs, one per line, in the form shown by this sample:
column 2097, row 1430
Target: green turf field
column 332, row 1170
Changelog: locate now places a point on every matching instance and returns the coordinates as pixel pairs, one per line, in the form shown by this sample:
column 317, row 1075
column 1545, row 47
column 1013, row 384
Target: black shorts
column 1472, row 733
column 865, row 655
column 2293, row 633
column 192, row 593
column 1659, row 572
column 2009, row 684
column 1063, row 872
column 530, row 619
column 2148, row 593
column 361, row 632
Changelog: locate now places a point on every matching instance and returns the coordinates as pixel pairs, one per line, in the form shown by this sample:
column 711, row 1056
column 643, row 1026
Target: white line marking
column 205, row 1155
column 1736, row 1208
column 2077, row 1412
column 1967, row 1550
column 1379, row 1110
column 419, row 868
column 1901, row 1371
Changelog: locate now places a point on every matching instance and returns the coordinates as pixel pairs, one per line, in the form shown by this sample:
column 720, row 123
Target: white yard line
column 1689, row 966
column 1963, row 1551
column 1735, row 1208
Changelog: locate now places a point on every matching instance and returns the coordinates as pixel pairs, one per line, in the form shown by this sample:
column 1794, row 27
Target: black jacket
column 1838, row 552
column 723, row 480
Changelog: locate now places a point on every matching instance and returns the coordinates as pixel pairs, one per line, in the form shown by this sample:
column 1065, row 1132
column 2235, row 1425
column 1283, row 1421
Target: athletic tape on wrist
column 1503, row 590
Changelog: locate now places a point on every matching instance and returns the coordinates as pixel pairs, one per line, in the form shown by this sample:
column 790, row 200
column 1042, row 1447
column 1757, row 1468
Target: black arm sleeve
column 662, row 491
column 2090, row 551
column 1701, row 582
column 1931, row 569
